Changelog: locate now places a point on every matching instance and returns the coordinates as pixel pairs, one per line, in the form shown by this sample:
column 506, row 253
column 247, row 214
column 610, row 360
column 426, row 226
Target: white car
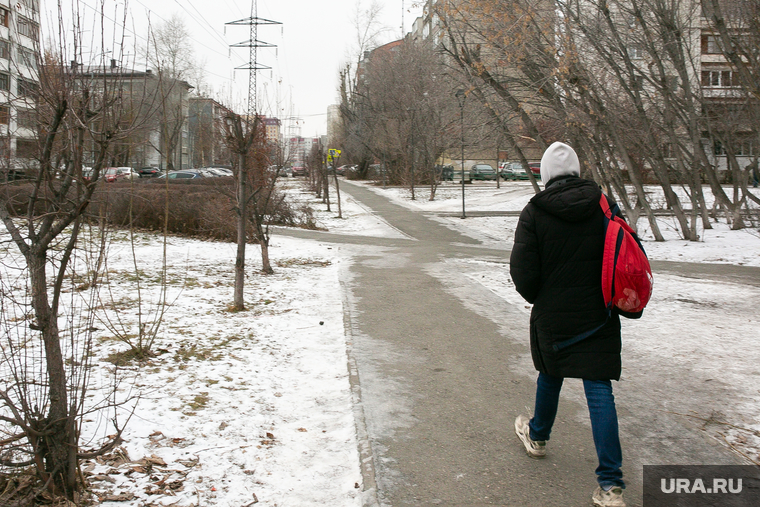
column 120, row 173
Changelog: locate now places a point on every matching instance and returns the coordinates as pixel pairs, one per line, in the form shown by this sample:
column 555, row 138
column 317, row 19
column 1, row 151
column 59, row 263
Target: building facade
column 155, row 111
column 19, row 84
column 206, row 143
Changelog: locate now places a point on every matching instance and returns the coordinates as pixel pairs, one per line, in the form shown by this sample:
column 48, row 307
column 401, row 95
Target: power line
column 125, row 28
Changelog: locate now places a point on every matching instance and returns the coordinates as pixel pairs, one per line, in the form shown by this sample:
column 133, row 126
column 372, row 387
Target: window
column 5, row 49
column 27, row 57
column 718, row 79
column 669, row 150
column 27, row 27
column 741, row 148
column 710, row 45
column 31, row 4
column 27, row 88
column 744, row 148
column 5, row 82
column 26, row 148
column 4, row 16
column 26, row 118
column 5, row 115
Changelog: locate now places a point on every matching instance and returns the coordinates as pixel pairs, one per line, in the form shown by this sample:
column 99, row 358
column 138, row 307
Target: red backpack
column 626, row 275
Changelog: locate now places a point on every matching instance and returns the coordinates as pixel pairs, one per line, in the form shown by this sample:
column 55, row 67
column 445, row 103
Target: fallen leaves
column 162, row 478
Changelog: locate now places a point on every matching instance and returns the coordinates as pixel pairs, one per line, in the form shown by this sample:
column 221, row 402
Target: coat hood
column 571, row 198
column 559, row 160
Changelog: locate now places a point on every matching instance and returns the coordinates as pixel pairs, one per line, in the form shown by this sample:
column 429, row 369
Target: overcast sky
column 315, row 39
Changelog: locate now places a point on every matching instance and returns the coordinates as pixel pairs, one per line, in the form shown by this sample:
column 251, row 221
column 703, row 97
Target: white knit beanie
column 559, row 160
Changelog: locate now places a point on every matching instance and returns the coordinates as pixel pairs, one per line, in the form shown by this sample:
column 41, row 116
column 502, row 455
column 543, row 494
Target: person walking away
column 556, row 265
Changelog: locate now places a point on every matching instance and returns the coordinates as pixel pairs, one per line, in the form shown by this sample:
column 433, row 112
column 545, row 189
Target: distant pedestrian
column 755, row 173
column 556, row 265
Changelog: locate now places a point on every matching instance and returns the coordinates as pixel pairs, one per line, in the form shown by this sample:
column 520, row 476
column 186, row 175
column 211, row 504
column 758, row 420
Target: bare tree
column 255, row 192
column 82, row 117
column 172, row 56
column 402, row 112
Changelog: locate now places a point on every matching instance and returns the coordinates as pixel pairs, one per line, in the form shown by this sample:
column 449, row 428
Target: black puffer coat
column 556, row 264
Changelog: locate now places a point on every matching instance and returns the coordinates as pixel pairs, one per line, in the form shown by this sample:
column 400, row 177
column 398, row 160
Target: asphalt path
column 440, row 367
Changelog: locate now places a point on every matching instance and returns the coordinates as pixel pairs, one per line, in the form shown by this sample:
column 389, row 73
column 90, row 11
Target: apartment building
column 155, row 110
column 272, row 126
column 206, row 144
column 730, row 112
column 19, row 84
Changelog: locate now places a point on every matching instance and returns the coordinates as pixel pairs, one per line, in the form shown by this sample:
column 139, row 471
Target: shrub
column 200, row 208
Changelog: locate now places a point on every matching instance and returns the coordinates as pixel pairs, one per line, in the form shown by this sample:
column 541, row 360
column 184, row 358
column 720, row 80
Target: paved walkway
column 440, row 367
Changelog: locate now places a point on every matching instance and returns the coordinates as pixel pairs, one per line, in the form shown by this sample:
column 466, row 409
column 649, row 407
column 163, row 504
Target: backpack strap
column 609, row 264
column 575, row 339
column 605, row 205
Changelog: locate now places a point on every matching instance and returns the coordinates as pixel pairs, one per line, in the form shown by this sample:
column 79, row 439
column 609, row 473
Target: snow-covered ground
column 716, row 245
column 256, row 406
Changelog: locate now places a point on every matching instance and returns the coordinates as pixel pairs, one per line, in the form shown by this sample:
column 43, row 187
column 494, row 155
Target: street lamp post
column 461, row 96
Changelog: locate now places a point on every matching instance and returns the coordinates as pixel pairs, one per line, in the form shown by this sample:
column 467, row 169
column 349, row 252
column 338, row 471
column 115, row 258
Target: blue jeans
column 604, row 423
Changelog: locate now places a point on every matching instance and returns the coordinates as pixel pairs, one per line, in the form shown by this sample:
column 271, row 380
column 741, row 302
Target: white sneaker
column 534, row 448
column 611, row 498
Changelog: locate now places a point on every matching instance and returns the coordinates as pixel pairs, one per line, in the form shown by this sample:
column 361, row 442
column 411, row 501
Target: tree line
column 648, row 91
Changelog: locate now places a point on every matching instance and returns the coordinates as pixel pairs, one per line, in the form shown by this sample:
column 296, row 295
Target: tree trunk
column 266, row 266
column 57, row 448
column 337, row 194
column 242, row 198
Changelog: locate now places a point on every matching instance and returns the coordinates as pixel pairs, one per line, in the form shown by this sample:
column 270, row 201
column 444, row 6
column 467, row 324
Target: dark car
column 482, row 172
column 445, row 172
column 299, row 170
column 149, row 172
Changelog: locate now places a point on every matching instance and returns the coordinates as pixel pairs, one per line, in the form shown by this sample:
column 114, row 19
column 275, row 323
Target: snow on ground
column 354, row 218
column 716, row 245
column 256, row 405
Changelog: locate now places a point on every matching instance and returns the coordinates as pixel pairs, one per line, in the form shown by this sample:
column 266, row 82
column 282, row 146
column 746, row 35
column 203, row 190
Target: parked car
column 444, row 172
column 87, row 173
column 210, row 172
column 456, row 175
column 482, row 172
column 149, row 172
column 535, row 168
column 299, row 170
column 347, row 168
column 513, row 171
column 221, row 171
column 119, row 173
column 183, row 174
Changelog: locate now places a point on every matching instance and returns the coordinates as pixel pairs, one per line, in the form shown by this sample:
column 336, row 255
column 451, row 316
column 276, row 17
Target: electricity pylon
column 253, row 44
